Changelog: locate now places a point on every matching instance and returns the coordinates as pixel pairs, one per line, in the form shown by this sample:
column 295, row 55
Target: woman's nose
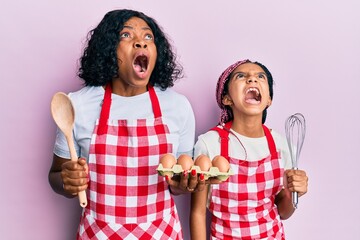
column 140, row 44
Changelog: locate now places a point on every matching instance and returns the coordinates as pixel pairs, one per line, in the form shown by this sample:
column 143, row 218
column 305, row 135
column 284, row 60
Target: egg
column 203, row 162
column 167, row 160
column 185, row 161
column 221, row 163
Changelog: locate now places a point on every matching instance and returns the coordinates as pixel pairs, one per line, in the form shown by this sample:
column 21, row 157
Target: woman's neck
column 126, row 90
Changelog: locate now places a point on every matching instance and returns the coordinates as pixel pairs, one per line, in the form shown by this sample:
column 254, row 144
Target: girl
column 126, row 118
column 252, row 202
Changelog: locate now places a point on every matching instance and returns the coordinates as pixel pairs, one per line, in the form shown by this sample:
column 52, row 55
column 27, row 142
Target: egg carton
column 177, row 169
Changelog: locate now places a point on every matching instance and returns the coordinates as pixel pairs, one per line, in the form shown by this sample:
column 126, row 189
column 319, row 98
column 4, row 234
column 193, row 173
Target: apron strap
column 271, row 142
column 105, row 111
column 154, row 101
column 224, row 140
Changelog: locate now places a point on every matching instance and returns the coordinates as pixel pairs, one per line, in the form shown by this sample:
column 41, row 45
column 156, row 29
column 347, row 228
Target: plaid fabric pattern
column 161, row 229
column 127, row 197
column 243, row 207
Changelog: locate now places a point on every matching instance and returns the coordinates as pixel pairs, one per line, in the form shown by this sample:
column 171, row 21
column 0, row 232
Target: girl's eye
column 124, row 35
column 240, row 75
column 262, row 76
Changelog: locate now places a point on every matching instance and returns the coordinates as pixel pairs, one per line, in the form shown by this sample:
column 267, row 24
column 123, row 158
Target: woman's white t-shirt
column 176, row 111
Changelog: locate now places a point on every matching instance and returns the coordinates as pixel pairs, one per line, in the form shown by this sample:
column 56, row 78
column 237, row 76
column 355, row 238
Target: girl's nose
column 251, row 79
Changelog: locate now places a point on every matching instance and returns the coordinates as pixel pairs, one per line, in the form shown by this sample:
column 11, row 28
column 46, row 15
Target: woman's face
column 248, row 90
column 136, row 54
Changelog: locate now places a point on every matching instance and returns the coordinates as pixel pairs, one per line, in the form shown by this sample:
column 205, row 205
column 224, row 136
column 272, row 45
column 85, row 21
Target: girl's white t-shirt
column 176, row 110
column 256, row 148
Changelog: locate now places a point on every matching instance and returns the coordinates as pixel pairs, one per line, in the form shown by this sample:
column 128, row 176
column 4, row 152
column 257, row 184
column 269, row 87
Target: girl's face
column 136, row 54
column 248, row 91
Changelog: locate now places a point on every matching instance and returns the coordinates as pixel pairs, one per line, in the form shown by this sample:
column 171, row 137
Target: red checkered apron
column 243, row 207
column 127, row 197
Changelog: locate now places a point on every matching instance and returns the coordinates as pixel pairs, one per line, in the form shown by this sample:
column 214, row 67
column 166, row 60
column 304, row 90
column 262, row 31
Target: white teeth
column 253, row 90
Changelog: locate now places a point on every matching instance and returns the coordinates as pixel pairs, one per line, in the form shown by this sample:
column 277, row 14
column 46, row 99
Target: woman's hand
column 186, row 184
column 74, row 176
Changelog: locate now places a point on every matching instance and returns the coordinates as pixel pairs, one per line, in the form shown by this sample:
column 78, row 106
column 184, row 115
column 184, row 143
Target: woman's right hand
column 74, row 176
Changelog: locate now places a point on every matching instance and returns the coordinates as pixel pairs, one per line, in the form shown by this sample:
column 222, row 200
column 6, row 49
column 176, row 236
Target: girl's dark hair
column 99, row 63
column 271, row 89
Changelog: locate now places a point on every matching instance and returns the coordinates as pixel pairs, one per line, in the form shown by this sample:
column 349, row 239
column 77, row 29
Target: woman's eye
column 149, row 37
column 124, row 35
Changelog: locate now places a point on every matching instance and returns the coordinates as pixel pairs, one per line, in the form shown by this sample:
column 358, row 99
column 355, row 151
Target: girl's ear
column 227, row 100
column 269, row 103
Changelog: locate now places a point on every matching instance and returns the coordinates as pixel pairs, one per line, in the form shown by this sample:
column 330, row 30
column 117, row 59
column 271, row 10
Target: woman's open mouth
column 141, row 64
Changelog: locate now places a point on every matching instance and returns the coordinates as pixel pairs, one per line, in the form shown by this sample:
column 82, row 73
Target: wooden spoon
column 63, row 114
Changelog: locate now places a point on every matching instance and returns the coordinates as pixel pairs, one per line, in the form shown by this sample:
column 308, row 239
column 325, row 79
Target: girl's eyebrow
column 235, row 73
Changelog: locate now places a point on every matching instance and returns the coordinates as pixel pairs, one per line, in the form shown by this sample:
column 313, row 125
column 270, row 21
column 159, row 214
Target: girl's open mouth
column 252, row 96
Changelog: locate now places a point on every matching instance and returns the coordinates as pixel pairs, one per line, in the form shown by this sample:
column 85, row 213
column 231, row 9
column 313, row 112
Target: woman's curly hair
column 99, row 63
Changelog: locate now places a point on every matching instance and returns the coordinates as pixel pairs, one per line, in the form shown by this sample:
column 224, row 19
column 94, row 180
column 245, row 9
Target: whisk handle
column 295, row 197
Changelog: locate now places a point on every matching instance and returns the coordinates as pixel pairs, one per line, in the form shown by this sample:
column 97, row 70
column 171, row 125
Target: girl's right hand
column 74, row 176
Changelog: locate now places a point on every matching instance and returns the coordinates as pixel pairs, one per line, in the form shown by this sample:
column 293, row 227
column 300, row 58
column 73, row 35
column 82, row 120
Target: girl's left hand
column 296, row 181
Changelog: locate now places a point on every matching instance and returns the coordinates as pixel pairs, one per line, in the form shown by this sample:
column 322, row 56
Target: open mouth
column 252, row 96
column 141, row 63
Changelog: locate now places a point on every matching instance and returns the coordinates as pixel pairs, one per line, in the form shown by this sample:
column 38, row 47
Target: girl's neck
column 248, row 126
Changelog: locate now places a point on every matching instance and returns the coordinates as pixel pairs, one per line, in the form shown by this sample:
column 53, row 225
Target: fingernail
column 167, row 177
column 193, row 172
column 202, row 176
column 185, row 173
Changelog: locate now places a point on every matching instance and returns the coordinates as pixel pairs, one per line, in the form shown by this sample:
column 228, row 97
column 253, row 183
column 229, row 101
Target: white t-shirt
column 256, row 148
column 176, row 111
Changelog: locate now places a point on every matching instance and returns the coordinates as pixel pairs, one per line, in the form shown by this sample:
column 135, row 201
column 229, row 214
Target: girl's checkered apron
column 127, row 198
column 243, row 206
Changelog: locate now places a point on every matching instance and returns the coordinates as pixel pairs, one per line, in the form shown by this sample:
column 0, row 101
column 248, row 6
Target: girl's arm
column 198, row 214
column 294, row 181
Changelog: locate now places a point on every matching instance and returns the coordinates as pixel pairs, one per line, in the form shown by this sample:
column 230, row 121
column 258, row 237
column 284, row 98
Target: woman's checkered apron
column 127, row 198
column 243, row 206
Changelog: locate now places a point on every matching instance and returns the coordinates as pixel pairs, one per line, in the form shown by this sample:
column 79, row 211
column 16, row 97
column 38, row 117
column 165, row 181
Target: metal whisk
column 295, row 130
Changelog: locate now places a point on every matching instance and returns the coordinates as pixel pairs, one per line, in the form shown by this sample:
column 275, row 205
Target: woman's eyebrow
column 143, row 28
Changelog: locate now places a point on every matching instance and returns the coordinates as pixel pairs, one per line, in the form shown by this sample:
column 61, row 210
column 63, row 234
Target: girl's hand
column 296, row 181
column 74, row 176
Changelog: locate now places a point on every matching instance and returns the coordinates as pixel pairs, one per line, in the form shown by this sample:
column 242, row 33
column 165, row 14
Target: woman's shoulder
column 86, row 97
column 86, row 93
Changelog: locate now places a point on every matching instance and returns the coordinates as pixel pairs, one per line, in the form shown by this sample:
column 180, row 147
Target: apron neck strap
column 105, row 109
column 154, row 101
column 271, row 142
column 224, row 140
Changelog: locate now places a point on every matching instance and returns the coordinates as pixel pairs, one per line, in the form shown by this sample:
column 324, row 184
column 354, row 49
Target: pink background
column 311, row 47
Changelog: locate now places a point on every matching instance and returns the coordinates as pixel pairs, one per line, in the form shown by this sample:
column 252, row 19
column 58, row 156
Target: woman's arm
column 68, row 177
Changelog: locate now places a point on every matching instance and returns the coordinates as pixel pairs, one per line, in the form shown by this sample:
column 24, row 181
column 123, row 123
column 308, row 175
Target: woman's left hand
column 187, row 184
column 296, row 181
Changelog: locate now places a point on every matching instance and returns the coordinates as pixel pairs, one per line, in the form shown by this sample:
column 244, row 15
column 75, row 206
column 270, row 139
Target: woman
column 126, row 118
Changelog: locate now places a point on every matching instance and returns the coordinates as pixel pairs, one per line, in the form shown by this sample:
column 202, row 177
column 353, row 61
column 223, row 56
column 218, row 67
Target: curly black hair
column 99, row 62
column 271, row 89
